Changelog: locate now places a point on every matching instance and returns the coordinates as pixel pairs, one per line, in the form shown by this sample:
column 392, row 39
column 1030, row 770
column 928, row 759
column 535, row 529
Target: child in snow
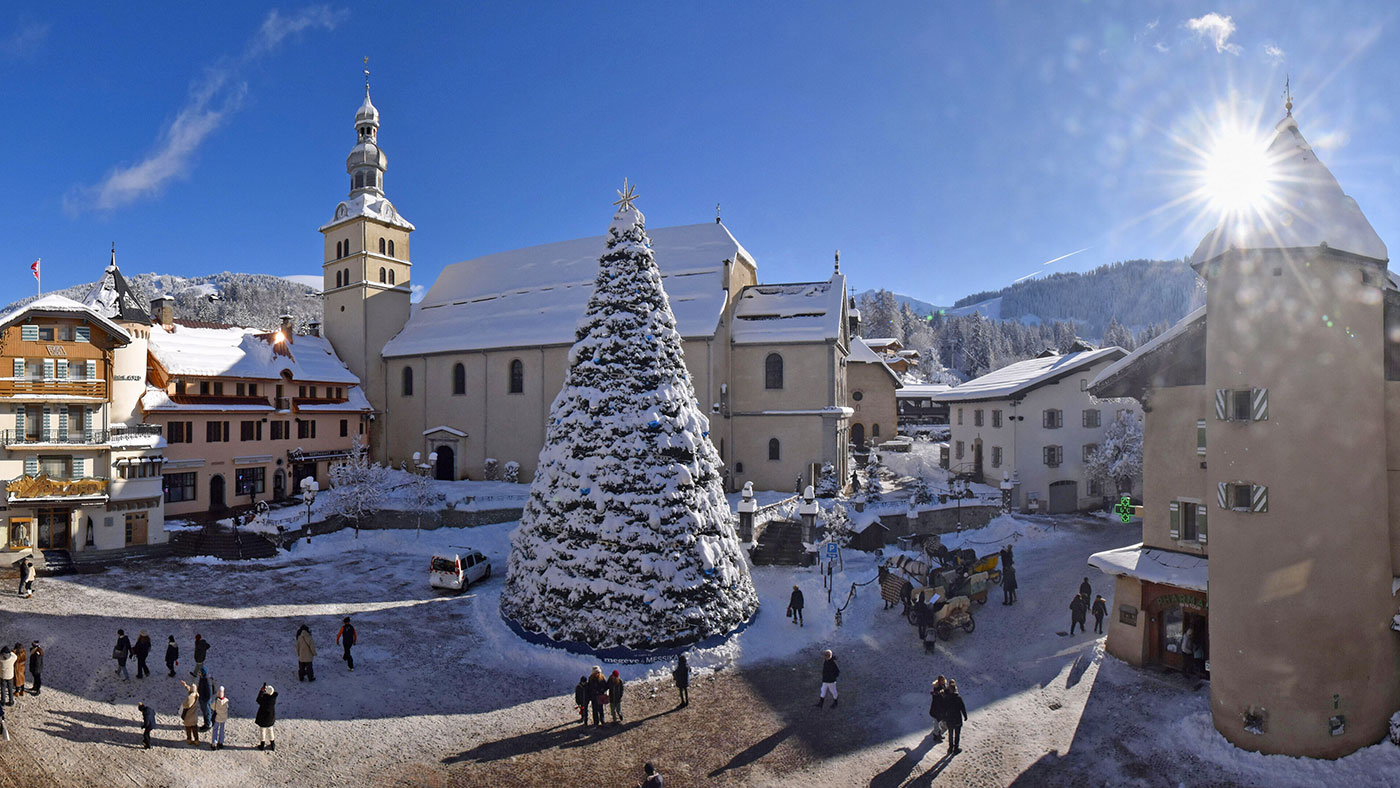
column 581, row 699
column 830, row 672
column 172, row 655
column 266, row 717
column 682, row 676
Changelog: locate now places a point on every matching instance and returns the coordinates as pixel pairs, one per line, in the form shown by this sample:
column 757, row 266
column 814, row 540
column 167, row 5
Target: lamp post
column 309, row 488
column 958, row 488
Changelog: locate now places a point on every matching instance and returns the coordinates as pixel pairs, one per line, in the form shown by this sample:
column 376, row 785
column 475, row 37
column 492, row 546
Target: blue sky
column 943, row 147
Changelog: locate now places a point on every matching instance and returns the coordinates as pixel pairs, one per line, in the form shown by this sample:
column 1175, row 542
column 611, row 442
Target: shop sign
column 1182, row 600
column 1127, row 614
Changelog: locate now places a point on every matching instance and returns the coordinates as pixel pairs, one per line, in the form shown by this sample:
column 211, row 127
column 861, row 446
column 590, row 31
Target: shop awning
column 1154, row 566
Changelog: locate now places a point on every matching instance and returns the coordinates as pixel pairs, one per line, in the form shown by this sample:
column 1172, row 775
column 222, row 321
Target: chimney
column 314, row 327
column 286, row 325
column 163, row 310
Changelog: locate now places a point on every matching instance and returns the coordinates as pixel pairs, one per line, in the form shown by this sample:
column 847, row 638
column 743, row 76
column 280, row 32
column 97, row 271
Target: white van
column 457, row 571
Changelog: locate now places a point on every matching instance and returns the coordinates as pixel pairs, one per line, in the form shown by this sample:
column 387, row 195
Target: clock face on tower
column 341, row 211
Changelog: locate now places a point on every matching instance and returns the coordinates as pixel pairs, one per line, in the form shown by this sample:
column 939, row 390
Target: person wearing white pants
column 266, row 717
column 829, row 674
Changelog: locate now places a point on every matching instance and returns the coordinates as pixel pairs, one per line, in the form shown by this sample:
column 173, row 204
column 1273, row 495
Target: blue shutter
column 1174, row 510
column 1201, row 524
column 87, row 424
column 19, row 422
column 31, row 466
column 62, row 423
column 19, row 368
column 48, row 369
column 29, row 333
column 46, row 425
column 91, row 371
column 83, row 334
column 80, row 467
column 61, row 369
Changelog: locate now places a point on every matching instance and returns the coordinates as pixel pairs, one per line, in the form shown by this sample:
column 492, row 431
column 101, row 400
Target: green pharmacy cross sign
column 1124, row 508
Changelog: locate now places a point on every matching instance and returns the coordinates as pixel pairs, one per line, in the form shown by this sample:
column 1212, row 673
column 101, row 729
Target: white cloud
column 1331, row 140
column 1217, row 29
column 416, row 293
column 1273, row 53
column 25, row 41
column 212, row 100
column 1160, row 47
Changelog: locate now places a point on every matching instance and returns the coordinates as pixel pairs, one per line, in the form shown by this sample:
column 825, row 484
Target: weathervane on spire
column 838, row 261
column 716, row 213
column 625, row 196
column 366, row 75
column 1288, row 95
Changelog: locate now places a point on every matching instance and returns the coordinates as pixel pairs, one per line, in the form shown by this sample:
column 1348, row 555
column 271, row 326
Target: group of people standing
column 594, row 690
column 14, row 662
column 948, row 712
column 1081, row 605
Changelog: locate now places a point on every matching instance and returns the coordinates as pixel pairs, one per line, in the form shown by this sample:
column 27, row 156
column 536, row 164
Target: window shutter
column 1201, row 524
column 87, row 424
column 1045, row 455
column 19, row 422
column 46, row 425
column 92, row 369
column 1222, row 489
column 1201, row 437
column 31, row 466
column 19, row 368
column 83, row 334
column 1259, row 404
column 80, row 467
column 61, row 370
column 62, row 423
column 1174, row 510
column 29, row 333
column 48, row 369
column 1221, row 414
column 1258, row 498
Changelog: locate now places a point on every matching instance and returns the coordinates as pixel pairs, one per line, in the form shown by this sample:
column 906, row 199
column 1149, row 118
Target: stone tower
column 1303, row 659
column 366, row 268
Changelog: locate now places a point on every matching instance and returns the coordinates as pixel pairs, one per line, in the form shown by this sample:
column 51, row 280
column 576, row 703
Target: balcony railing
column 43, row 486
column 31, row 387
column 69, row 438
column 136, row 429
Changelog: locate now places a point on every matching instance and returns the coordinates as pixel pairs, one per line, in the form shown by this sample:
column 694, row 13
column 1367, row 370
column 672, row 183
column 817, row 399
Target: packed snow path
column 443, row 694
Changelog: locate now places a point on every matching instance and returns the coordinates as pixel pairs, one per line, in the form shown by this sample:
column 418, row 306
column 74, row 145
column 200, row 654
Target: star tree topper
column 625, row 196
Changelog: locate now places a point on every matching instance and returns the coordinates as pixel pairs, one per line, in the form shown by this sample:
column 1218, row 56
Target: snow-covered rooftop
column 1307, row 208
column 58, row 303
column 1022, row 375
column 112, row 298
column 1156, row 342
column 1154, row 566
column 244, row 353
column 861, row 353
column 921, row 390
column 368, row 205
column 536, row 296
column 804, row 312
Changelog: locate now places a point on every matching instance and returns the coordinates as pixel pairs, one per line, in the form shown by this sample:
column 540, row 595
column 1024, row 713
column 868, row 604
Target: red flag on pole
column 35, row 268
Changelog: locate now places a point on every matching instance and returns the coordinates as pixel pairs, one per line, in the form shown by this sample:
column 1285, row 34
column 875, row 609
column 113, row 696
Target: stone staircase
column 781, row 543
column 225, row 543
column 54, row 562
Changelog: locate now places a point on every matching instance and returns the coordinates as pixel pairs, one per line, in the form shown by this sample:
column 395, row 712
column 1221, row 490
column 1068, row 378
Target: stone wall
column 937, row 521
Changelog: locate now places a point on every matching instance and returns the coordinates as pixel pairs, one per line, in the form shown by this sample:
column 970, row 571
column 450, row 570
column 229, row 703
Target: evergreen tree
column 626, row 539
column 828, row 485
column 873, row 488
column 1118, row 458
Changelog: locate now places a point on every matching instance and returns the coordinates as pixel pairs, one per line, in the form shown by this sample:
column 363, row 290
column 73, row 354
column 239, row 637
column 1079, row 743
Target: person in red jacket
column 346, row 637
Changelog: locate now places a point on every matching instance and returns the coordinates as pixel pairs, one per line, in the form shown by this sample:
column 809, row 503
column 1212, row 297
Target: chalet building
column 917, row 406
column 873, row 387
column 1036, row 423
column 1271, row 524
column 469, row 374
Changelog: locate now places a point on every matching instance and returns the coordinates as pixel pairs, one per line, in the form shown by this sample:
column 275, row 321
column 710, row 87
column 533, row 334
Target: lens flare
column 1236, row 174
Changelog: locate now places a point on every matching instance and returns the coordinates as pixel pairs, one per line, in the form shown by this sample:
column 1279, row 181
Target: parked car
column 457, row 571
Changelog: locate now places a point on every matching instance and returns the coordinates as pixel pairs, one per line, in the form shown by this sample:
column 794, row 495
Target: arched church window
column 773, row 371
column 338, row 280
column 459, row 379
column 339, row 250
column 383, row 277
column 408, row 381
column 359, row 180
column 391, row 276
column 347, row 276
column 774, row 449
column 381, row 246
column 391, row 248
column 517, row 377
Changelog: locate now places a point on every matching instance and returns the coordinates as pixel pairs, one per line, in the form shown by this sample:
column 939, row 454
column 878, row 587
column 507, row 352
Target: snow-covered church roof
column 536, row 295
column 1307, row 209
column 111, row 297
column 805, row 312
column 1024, row 375
column 369, row 206
column 246, row 353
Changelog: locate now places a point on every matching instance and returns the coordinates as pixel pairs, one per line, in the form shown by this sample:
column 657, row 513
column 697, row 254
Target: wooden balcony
column 38, row 389
column 42, row 487
column 15, row 440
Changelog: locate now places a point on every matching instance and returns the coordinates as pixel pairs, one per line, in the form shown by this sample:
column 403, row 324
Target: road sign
column 832, row 550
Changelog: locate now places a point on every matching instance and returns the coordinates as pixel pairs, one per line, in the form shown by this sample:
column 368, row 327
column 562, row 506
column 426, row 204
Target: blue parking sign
column 832, row 550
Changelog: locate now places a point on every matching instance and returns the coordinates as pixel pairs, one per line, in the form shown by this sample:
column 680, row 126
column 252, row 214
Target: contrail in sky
column 1048, row 262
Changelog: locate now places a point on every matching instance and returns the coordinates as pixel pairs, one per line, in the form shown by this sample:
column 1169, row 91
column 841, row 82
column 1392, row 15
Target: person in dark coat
column 36, row 666
column 201, row 650
column 266, row 717
column 1007, row 559
column 206, row 694
column 653, row 779
column 956, row 711
column 25, row 572
column 597, row 693
column 682, row 676
column 1086, row 591
column 830, row 672
column 172, row 655
column 1077, row 608
column 141, row 650
column 120, row 652
column 795, row 603
column 615, row 688
column 148, row 723
column 1100, row 610
column 346, row 637
column 1008, row 585
column 581, row 699
column 938, row 707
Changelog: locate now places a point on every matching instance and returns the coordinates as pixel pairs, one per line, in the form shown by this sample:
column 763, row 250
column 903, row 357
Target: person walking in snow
column 36, row 666
column 219, row 707
column 120, row 653
column 615, row 688
column 21, row 660
column 956, row 711
column 938, row 707
column 306, row 650
column 597, row 693
column 681, row 674
column 1086, row 591
column 26, row 571
column 201, row 650
column 830, row 672
column 142, row 649
column 7, row 676
column 346, row 636
column 189, row 712
column 172, row 655
column 148, row 723
column 1077, row 608
column 266, row 717
column 795, row 604
column 1008, row 585
column 1100, row 610
column 581, row 699
column 206, row 694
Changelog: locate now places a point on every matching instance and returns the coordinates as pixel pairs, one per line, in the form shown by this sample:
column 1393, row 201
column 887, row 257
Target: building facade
column 873, row 387
column 1035, row 422
column 1271, row 528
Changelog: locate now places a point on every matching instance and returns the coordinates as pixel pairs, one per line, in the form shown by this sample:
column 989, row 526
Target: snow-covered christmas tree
column 1118, row 459
column 626, row 540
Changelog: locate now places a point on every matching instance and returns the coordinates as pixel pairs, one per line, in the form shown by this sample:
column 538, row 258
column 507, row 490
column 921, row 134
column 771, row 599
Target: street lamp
column 309, row 488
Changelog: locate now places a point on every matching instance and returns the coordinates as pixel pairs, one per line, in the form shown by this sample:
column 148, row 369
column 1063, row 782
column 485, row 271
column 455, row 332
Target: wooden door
column 53, row 529
column 136, row 527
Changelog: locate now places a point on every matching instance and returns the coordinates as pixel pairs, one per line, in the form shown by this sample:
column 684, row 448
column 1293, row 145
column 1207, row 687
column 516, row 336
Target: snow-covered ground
column 443, row 693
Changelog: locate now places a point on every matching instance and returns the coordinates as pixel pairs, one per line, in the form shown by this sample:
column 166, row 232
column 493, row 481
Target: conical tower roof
column 112, row 298
column 1307, row 208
